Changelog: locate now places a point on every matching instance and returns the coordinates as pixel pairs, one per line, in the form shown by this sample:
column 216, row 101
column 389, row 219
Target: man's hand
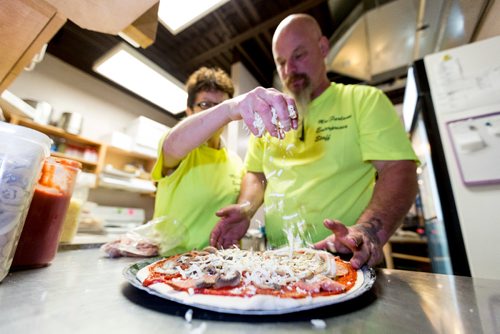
column 264, row 109
column 231, row 227
column 361, row 240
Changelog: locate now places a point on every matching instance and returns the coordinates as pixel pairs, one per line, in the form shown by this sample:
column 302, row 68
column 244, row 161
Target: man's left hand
column 361, row 240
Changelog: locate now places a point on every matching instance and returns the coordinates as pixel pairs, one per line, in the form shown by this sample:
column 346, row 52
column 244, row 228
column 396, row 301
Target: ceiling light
column 178, row 15
column 131, row 70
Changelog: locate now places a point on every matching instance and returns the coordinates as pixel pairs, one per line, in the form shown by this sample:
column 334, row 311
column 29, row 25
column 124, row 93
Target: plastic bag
column 162, row 235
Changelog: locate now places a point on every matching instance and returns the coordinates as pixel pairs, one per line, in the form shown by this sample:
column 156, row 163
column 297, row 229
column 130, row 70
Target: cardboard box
column 118, row 139
column 145, row 133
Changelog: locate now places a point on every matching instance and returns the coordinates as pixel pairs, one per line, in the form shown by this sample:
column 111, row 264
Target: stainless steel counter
column 84, row 292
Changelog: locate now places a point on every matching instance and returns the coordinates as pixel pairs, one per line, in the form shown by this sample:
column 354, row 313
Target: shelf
column 133, row 184
column 113, row 149
column 408, row 251
column 120, row 158
column 411, row 257
column 117, row 157
column 407, row 240
column 72, row 140
column 51, row 130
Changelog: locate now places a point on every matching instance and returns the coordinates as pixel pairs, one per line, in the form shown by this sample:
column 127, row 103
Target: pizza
column 235, row 279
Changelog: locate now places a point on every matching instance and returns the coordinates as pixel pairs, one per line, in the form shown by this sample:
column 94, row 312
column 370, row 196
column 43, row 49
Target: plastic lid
column 65, row 162
column 33, row 136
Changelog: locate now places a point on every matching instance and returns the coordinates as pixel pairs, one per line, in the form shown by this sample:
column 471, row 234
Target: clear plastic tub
column 22, row 152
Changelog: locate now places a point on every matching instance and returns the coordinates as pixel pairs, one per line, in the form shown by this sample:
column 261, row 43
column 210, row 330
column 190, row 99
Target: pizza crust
column 251, row 303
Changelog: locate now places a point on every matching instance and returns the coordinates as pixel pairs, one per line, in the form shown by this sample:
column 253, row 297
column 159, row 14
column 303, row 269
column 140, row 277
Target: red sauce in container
column 39, row 239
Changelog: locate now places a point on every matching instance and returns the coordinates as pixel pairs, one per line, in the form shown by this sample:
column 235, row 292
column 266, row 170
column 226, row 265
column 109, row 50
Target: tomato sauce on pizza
column 282, row 273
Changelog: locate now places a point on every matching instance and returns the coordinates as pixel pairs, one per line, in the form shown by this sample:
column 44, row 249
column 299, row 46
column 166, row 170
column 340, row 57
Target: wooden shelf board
column 120, row 151
column 411, row 257
column 55, row 131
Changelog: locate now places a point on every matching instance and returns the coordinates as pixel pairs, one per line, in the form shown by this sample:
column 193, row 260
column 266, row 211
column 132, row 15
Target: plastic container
column 70, row 224
column 22, row 152
column 81, row 190
column 41, row 232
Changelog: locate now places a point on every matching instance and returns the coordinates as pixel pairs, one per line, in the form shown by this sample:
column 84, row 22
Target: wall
column 491, row 24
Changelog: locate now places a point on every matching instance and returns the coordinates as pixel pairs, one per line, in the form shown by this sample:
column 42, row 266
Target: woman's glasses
column 206, row 104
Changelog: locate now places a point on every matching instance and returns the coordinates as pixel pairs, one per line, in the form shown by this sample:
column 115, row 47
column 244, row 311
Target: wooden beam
column 264, row 49
column 222, row 24
column 242, row 15
column 251, row 10
column 268, row 36
column 250, row 60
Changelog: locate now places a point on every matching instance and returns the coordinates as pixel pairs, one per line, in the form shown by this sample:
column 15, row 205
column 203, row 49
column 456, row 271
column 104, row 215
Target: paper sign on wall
column 476, row 144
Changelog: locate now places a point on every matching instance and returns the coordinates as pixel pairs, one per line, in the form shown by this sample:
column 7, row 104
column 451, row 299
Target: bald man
column 343, row 180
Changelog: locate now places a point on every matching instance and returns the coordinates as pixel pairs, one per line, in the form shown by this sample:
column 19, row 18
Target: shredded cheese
column 265, row 269
column 258, row 123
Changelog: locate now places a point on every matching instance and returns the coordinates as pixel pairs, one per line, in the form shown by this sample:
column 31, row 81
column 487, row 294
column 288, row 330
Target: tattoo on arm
column 371, row 228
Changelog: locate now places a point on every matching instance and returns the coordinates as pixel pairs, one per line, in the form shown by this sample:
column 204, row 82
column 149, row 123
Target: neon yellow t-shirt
column 327, row 173
column 205, row 181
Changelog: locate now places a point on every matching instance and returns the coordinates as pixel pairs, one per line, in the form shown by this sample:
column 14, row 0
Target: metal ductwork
column 380, row 39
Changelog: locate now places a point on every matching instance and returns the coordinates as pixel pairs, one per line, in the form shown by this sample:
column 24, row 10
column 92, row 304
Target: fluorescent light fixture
column 128, row 68
column 178, row 15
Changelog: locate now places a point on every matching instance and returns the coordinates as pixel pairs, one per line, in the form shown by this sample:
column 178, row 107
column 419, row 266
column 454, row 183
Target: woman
column 196, row 174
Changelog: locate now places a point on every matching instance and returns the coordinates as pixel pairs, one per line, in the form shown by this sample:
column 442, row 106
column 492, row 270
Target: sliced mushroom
column 307, row 274
column 342, row 269
column 201, row 253
column 207, row 281
column 228, row 280
column 267, row 286
column 169, row 268
column 326, row 263
column 281, row 272
column 210, row 249
column 210, row 269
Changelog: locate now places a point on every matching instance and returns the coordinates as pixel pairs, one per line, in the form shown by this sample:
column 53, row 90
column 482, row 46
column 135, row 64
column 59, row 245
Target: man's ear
column 324, row 46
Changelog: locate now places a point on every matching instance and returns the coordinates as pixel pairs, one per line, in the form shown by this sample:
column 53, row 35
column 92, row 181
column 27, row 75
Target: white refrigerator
column 452, row 111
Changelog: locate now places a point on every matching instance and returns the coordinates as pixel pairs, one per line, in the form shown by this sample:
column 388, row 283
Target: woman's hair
column 208, row 79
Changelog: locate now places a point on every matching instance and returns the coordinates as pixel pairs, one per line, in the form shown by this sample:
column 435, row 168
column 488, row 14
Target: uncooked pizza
column 235, row 279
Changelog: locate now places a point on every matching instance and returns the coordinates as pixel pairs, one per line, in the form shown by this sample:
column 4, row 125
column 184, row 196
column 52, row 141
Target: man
column 196, row 175
column 326, row 170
